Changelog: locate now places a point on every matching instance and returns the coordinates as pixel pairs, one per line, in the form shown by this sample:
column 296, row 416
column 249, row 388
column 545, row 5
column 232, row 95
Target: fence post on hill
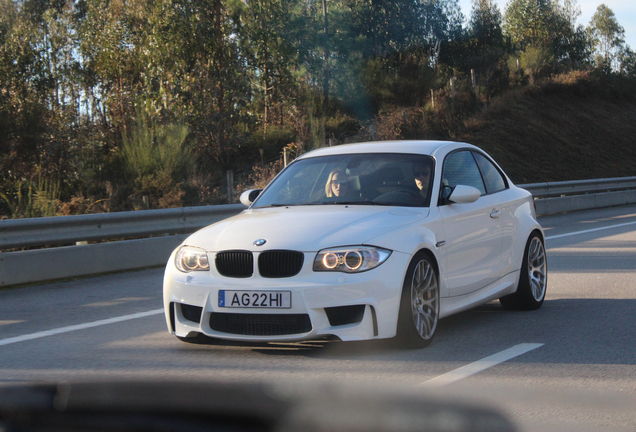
column 474, row 81
column 433, row 98
column 452, row 84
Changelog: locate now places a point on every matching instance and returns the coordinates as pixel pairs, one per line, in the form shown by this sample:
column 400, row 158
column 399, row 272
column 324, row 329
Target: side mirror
column 463, row 194
column 248, row 197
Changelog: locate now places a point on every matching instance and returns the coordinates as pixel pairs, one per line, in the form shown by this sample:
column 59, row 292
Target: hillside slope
column 574, row 127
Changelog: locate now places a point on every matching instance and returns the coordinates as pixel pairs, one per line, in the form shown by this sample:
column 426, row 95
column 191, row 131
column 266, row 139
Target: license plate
column 255, row 299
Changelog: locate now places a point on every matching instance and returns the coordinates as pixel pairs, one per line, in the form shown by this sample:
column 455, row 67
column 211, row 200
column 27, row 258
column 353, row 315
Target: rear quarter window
column 493, row 179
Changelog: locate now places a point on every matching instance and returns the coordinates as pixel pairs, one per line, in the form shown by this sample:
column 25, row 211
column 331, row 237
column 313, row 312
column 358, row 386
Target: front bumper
column 348, row 306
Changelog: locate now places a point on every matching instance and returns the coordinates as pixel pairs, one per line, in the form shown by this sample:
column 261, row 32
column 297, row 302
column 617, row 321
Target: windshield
column 360, row 179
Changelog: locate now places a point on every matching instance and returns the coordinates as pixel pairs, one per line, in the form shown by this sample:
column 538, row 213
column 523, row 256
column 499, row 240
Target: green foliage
column 549, row 25
column 627, row 59
column 537, row 62
column 607, row 34
column 156, row 159
column 271, row 143
column 485, row 25
column 33, row 198
column 530, row 22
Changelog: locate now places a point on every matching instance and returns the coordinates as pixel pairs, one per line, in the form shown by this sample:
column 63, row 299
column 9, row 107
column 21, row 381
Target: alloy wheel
column 425, row 299
column 537, row 269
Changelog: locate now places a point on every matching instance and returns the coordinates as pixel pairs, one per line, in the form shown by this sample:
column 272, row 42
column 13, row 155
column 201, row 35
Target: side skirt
column 504, row 286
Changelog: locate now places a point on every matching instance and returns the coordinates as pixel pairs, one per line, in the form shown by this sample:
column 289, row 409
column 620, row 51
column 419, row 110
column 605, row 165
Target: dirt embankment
column 572, row 128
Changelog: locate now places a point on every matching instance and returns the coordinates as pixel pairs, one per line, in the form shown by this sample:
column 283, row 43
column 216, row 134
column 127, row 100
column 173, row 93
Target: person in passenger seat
column 337, row 184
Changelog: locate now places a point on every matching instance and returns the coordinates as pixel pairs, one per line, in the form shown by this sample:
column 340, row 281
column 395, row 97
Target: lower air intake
column 260, row 324
column 191, row 313
column 343, row 315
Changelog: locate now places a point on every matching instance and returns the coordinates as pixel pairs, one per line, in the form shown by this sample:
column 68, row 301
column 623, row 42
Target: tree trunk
column 325, row 100
column 221, row 65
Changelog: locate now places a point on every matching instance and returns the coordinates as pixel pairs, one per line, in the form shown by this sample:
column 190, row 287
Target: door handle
column 495, row 214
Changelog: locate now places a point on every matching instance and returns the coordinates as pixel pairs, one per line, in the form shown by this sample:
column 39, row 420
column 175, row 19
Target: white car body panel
column 478, row 257
column 473, row 245
column 304, row 228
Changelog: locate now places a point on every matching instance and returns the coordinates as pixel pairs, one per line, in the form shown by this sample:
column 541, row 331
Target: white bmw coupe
column 362, row 241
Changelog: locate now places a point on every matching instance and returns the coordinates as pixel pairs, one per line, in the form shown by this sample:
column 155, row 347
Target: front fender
column 424, row 234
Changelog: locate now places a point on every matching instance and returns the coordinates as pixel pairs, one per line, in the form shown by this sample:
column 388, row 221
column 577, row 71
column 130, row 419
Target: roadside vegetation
column 108, row 105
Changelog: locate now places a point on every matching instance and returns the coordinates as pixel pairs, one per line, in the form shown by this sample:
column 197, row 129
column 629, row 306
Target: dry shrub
column 259, row 177
column 80, row 205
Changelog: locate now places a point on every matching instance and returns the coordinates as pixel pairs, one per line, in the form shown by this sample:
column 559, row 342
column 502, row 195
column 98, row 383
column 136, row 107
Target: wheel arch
column 427, row 251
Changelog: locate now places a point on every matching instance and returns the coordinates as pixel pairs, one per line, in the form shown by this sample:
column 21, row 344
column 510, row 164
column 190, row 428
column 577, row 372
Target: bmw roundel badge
column 260, row 242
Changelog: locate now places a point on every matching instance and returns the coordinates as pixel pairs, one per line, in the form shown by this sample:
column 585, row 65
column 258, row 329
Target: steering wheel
column 415, row 196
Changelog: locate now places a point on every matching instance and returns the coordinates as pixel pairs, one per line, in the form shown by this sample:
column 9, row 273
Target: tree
column 268, row 42
column 485, row 24
column 549, row 26
column 608, row 35
column 627, row 62
column 530, row 22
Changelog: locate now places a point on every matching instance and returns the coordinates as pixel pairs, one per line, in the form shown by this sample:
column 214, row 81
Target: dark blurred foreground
column 224, row 406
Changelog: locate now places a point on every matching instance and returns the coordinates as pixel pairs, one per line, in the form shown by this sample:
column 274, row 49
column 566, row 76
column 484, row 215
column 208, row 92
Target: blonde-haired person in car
column 337, row 184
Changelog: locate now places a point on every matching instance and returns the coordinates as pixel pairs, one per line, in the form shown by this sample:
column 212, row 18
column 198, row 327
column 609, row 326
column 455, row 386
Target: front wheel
column 419, row 305
column 533, row 278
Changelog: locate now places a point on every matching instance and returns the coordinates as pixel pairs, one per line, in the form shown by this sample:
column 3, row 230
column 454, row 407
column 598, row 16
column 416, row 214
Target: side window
column 492, row 177
column 460, row 169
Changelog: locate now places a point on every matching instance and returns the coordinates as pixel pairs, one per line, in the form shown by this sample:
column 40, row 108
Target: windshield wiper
column 358, row 203
column 282, row 205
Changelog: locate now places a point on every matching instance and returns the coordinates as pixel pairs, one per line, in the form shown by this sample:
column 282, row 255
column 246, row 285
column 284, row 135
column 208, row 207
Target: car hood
column 303, row 228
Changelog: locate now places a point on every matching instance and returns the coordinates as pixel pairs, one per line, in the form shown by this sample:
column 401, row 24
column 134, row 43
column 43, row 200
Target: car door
column 497, row 185
column 473, row 232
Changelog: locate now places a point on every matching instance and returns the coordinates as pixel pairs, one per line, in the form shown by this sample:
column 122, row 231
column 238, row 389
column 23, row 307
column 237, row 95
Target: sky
column 625, row 11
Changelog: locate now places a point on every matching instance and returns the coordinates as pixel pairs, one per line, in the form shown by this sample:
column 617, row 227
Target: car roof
column 417, row 147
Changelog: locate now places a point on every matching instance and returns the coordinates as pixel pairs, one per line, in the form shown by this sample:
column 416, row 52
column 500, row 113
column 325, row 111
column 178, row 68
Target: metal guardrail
column 171, row 226
column 580, row 187
column 16, row 233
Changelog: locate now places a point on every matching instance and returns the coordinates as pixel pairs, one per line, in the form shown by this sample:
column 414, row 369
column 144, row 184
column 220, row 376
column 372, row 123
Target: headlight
column 190, row 258
column 352, row 259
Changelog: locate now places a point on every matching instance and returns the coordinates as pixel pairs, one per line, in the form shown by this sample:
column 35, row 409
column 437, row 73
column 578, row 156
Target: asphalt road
column 579, row 374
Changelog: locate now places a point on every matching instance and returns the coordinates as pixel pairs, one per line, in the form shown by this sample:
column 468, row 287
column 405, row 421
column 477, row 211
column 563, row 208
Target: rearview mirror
column 249, row 196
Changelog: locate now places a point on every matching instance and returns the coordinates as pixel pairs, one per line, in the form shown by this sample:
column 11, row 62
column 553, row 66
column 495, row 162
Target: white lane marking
column 480, row 365
column 589, row 230
column 61, row 330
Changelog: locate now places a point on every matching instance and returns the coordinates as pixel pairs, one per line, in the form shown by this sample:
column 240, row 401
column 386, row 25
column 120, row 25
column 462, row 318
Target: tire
column 533, row 278
column 419, row 304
